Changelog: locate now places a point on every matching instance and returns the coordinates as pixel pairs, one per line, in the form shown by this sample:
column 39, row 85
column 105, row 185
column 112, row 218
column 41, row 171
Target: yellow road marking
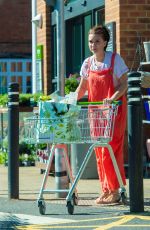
column 132, row 225
column 116, row 223
column 121, row 222
column 101, row 218
column 87, row 220
column 59, row 226
column 143, row 217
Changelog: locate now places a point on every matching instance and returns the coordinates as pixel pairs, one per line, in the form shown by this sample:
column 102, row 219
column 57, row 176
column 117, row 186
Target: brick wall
column 15, row 24
column 132, row 19
column 43, row 38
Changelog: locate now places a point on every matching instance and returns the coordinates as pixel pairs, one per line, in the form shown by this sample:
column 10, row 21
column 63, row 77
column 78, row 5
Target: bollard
column 135, row 142
column 61, row 177
column 13, row 141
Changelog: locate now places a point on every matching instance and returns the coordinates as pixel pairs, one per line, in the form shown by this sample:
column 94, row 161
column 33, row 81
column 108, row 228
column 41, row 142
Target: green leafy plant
column 25, row 148
column 71, row 83
column 24, row 99
column 22, row 158
column 3, row 157
column 28, row 99
column 4, row 100
column 44, row 98
column 32, row 158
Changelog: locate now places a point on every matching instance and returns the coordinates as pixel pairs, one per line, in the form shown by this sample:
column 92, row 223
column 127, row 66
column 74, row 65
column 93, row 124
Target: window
column 77, row 38
column 77, row 24
column 28, row 84
column 15, row 70
column 3, row 84
column 87, row 25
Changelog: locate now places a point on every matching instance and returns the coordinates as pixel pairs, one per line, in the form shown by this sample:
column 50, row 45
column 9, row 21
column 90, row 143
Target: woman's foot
column 100, row 199
column 114, row 197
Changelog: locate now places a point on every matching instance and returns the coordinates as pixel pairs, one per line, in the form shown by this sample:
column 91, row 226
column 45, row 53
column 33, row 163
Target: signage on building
column 39, row 52
column 112, row 42
column 39, row 70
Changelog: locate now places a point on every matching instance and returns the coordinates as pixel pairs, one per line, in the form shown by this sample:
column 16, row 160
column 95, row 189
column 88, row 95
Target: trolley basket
column 93, row 124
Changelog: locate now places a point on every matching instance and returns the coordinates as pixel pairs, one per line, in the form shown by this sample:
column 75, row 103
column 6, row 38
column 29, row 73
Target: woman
column 103, row 76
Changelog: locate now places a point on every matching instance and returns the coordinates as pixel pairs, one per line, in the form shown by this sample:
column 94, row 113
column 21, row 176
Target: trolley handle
column 85, row 103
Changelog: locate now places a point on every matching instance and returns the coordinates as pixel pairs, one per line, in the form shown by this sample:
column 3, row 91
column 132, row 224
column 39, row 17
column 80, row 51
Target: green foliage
column 41, row 146
column 32, row 157
column 45, row 98
column 36, row 96
column 24, row 99
column 25, row 148
column 22, row 158
column 4, row 100
column 27, row 99
column 72, row 83
column 27, row 160
column 3, row 157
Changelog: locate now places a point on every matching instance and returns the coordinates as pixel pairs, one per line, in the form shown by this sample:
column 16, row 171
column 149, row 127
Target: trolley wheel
column 70, row 207
column 42, row 171
column 75, row 198
column 42, row 207
column 124, row 198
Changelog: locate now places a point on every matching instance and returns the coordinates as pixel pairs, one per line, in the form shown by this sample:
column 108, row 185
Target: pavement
column 23, row 213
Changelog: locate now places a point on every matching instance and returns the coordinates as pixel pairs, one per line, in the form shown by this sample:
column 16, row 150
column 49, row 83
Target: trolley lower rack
column 93, row 125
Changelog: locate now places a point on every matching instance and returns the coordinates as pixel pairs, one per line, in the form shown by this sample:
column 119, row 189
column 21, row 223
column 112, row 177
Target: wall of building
column 132, row 19
column 43, row 38
column 15, row 24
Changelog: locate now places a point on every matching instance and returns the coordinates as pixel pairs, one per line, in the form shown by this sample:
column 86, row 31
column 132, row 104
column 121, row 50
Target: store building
column 15, row 45
column 128, row 21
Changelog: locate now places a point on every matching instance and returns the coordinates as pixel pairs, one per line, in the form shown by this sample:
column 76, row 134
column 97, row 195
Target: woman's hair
column 102, row 31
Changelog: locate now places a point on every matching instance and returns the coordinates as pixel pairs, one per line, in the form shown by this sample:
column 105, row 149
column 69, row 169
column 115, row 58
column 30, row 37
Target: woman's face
column 96, row 43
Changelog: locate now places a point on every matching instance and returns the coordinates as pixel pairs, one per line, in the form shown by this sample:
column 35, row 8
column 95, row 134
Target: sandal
column 99, row 200
column 114, row 197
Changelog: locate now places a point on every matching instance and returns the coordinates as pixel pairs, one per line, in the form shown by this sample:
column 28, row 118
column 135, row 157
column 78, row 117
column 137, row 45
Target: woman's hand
column 119, row 91
column 107, row 101
column 82, row 88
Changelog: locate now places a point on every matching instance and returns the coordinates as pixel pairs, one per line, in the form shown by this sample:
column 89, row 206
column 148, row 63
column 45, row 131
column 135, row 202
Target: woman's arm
column 82, row 88
column 119, row 91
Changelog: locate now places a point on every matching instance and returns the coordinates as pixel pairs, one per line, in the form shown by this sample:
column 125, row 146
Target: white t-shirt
column 119, row 66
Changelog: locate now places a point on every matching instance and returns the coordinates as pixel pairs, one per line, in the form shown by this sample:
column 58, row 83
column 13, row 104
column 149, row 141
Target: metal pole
column 34, row 42
column 135, row 142
column 60, row 46
column 61, row 178
column 13, row 141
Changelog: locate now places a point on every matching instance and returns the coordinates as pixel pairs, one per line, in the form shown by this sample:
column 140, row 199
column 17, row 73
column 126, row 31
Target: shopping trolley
column 93, row 125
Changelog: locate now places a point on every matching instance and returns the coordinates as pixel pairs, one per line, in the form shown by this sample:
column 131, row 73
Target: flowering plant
column 71, row 83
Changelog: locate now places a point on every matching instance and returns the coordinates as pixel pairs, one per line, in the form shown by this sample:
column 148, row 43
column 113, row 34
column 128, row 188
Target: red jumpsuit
column 100, row 86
